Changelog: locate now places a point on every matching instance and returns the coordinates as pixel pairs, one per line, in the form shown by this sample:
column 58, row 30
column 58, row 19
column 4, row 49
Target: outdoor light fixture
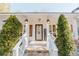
column 48, row 20
column 26, row 20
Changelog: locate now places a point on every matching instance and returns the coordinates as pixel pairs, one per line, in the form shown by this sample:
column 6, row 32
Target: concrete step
column 38, row 43
column 36, row 51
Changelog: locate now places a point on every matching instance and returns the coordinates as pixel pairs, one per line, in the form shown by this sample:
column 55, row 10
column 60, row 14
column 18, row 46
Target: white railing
column 53, row 50
column 22, row 44
column 20, row 47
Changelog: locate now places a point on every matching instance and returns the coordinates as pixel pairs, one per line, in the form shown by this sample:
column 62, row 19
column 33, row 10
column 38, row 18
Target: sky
column 43, row 7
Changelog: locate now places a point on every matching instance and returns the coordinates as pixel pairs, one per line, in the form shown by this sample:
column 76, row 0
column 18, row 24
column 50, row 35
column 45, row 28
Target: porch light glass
column 48, row 20
column 26, row 21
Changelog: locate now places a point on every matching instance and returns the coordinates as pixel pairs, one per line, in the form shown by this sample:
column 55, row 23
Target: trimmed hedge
column 9, row 35
column 64, row 40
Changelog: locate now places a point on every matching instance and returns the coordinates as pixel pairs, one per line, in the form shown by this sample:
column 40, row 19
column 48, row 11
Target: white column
column 26, row 34
column 75, row 30
column 48, row 35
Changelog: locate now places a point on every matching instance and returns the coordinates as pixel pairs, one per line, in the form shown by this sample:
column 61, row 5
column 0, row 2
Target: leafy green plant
column 64, row 41
column 9, row 35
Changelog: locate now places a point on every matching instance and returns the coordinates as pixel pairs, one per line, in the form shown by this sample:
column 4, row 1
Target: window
column 30, row 30
column 54, row 28
column 45, row 34
column 49, row 28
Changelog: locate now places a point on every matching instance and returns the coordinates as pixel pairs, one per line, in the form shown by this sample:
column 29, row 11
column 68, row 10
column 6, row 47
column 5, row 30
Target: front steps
column 36, row 51
column 38, row 43
column 38, row 48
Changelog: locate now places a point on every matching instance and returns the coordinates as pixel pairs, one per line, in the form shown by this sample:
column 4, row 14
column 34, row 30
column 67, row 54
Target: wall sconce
column 48, row 21
column 26, row 20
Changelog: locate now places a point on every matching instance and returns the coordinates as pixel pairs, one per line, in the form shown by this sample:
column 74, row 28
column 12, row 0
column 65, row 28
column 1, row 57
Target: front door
column 39, row 32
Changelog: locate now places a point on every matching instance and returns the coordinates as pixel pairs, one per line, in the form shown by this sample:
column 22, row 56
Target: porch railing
column 53, row 50
column 20, row 47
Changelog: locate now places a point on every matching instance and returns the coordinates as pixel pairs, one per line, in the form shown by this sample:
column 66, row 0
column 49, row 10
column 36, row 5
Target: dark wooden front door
column 38, row 32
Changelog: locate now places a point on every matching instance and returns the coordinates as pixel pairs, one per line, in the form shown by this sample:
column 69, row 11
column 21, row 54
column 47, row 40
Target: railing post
column 26, row 32
column 15, row 51
column 48, row 33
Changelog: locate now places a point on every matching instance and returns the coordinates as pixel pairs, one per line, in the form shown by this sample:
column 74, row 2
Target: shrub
column 64, row 40
column 9, row 35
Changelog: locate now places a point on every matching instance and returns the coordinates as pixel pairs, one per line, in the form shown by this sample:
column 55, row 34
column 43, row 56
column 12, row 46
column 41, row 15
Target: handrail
column 17, row 45
column 52, row 41
column 19, row 42
column 20, row 46
column 53, row 50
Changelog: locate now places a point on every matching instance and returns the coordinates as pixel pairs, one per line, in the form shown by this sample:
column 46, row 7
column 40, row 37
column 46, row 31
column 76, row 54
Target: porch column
column 26, row 33
column 48, row 33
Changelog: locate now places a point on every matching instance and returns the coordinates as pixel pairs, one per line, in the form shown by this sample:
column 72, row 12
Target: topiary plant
column 9, row 35
column 64, row 41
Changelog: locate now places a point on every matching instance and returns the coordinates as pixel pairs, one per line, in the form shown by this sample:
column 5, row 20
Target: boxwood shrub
column 11, row 31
